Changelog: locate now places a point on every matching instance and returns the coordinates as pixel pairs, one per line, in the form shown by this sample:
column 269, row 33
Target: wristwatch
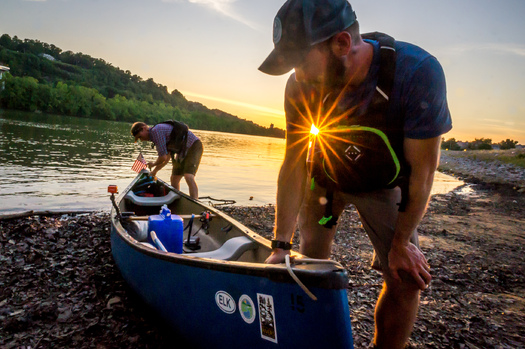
column 281, row 244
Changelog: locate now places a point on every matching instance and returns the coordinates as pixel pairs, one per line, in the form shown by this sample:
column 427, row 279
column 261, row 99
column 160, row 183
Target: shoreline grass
column 509, row 156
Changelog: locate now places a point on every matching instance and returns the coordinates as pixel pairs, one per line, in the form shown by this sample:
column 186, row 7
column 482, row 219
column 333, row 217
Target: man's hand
column 408, row 258
column 151, row 164
column 278, row 255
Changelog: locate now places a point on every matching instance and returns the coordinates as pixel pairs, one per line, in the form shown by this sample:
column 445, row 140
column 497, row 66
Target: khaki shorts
column 190, row 163
column 378, row 211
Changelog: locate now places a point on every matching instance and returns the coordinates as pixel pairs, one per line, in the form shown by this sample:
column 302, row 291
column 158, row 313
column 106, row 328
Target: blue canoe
column 223, row 295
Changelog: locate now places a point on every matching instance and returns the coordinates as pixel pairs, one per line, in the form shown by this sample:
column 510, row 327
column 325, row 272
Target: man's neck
column 359, row 64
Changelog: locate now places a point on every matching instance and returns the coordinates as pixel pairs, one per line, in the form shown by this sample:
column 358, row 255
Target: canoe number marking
column 225, row 302
column 267, row 317
column 247, row 309
column 297, row 303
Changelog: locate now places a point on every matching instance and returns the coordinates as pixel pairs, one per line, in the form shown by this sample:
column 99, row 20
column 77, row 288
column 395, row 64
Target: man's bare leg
column 192, row 185
column 395, row 313
column 175, row 181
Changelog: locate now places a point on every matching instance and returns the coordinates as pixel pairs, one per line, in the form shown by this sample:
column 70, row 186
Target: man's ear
column 341, row 44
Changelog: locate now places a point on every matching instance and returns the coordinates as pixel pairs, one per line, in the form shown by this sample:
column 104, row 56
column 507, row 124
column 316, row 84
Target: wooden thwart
column 145, row 218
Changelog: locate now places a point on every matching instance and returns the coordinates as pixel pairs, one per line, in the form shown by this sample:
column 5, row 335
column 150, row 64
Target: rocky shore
column 59, row 287
column 475, row 171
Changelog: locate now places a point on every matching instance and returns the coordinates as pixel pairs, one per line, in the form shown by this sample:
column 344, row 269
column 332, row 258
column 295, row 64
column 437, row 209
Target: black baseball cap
column 299, row 25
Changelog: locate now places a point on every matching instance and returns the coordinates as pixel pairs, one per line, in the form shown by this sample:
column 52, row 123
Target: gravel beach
column 59, row 287
column 476, row 171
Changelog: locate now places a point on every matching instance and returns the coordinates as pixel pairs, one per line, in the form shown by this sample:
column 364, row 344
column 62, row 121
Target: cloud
column 224, row 7
column 514, row 49
column 267, row 111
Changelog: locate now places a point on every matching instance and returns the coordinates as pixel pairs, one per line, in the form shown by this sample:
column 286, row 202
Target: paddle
column 157, row 242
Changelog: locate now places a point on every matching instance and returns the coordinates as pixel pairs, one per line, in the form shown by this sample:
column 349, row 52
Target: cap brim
column 279, row 63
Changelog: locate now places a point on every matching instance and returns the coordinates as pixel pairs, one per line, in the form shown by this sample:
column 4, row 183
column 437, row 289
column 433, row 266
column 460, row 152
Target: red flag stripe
column 139, row 164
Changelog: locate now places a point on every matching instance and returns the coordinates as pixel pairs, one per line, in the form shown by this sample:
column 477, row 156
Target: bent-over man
column 377, row 108
column 173, row 139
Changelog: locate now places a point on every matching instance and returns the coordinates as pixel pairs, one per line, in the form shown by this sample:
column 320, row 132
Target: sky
column 210, row 50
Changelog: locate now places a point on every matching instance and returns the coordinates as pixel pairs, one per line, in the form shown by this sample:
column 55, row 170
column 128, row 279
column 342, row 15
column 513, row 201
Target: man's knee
column 190, row 178
column 402, row 290
column 316, row 242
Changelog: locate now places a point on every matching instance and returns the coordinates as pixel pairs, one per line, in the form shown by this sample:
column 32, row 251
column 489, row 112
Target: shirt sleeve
column 426, row 108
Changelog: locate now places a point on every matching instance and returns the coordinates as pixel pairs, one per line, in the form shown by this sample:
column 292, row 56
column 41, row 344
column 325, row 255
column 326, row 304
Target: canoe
column 219, row 293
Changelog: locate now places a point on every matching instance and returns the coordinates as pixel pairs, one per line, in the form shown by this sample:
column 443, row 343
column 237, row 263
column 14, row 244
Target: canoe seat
column 231, row 250
column 152, row 201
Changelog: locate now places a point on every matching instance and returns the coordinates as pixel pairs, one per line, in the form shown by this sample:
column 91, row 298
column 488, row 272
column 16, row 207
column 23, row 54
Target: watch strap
column 281, row 244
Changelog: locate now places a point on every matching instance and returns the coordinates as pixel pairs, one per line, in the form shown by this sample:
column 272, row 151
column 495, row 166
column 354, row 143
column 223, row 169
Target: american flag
column 139, row 164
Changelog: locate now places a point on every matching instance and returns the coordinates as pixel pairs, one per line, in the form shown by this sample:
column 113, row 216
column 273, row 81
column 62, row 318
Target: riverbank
column 498, row 167
column 59, row 286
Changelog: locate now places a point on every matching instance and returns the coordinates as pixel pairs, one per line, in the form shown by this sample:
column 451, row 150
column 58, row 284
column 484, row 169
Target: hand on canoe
column 278, row 255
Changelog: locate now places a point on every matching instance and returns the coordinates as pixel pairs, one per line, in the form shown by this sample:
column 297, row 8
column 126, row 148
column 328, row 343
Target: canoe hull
column 188, row 298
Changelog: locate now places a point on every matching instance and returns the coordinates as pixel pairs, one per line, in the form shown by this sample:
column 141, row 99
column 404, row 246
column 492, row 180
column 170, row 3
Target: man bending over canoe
column 364, row 119
column 173, row 139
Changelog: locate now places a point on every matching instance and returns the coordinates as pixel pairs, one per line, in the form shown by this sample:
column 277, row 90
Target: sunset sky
column 210, row 49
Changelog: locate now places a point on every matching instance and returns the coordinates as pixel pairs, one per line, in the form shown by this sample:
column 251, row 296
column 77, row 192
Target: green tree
column 450, row 144
column 20, row 93
column 5, row 41
column 480, row 144
column 79, row 85
column 507, row 144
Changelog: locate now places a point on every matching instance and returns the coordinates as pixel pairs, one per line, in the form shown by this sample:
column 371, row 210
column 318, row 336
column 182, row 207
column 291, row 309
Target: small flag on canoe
column 139, row 164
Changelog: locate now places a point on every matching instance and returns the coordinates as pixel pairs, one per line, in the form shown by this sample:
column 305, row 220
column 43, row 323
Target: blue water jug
column 169, row 229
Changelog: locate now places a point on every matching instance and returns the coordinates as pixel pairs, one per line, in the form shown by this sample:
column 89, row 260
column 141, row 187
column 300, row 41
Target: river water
column 54, row 162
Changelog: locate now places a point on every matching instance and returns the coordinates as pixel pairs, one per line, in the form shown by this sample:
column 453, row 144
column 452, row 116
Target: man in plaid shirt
column 185, row 162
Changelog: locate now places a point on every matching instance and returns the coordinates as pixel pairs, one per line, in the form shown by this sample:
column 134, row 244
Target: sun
column 319, row 126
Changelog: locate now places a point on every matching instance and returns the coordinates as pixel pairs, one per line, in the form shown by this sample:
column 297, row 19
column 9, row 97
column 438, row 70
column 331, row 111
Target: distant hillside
column 43, row 77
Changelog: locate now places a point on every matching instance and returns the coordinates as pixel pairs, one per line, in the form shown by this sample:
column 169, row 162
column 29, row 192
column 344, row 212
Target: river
column 52, row 162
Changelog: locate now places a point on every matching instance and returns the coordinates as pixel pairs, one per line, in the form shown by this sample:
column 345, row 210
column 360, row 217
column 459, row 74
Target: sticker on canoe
column 247, row 309
column 225, row 302
column 267, row 317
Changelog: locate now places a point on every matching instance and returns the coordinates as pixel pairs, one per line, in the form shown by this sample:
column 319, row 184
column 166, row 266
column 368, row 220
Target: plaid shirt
column 160, row 135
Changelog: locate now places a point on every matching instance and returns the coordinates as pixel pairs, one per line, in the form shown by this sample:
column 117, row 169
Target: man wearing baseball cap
column 354, row 87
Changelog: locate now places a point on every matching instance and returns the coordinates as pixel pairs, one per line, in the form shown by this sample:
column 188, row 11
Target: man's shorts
column 190, row 163
column 378, row 211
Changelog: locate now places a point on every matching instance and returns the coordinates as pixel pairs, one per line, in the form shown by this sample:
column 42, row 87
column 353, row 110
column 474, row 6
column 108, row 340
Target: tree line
column 44, row 78
column 477, row 144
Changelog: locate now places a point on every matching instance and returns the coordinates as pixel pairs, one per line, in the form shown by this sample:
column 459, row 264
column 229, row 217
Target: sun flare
column 316, row 128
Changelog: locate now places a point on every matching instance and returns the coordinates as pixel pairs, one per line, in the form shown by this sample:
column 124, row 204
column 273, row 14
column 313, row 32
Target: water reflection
column 56, row 162
column 75, row 149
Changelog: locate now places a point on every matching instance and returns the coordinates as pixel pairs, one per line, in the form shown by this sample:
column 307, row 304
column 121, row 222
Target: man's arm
column 158, row 164
column 159, row 135
column 422, row 156
column 290, row 192
column 293, row 173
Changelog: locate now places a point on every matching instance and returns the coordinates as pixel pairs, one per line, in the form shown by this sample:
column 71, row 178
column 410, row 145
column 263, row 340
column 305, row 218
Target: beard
column 332, row 78
column 335, row 73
